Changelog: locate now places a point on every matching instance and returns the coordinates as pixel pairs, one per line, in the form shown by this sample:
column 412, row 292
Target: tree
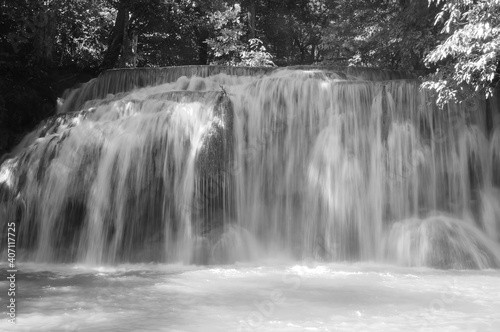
column 117, row 39
column 55, row 33
column 467, row 60
column 229, row 46
column 292, row 29
column 45, row 48
column 82, row 31
column 394, row 34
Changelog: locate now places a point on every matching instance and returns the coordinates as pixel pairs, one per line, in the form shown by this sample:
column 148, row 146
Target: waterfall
column 208, row 164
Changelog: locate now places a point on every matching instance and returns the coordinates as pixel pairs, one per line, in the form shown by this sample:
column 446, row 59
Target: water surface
column 272, row 296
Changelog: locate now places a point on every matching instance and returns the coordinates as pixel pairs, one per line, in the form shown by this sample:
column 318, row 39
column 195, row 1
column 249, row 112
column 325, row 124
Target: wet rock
column 441, row 242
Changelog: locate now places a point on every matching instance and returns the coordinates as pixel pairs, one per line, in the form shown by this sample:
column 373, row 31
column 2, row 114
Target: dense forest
column 47, row 46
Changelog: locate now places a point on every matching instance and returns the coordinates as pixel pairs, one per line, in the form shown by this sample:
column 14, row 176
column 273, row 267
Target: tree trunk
column 44, row 37
column 125, row 52
column 313, row 53
column 118, row 35
column 201, row 36
column 135, row 41
column 251, row 19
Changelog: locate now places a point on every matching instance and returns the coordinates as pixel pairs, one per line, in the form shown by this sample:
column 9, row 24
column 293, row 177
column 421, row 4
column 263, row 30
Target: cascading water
column 217, row 168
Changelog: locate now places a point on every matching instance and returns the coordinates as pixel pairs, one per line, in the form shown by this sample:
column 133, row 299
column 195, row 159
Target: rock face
column 8, row 180
column 12, row 205
column 214, row 156
column 441, row 242
column 213, row 166
column 225, row 244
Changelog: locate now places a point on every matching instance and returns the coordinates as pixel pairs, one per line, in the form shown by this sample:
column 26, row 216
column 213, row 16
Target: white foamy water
column 275, row 296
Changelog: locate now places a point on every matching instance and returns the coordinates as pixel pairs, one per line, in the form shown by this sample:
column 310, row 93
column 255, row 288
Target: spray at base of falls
column 297, row 161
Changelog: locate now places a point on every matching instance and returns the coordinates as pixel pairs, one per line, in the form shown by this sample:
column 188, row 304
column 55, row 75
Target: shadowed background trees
column 47, row 46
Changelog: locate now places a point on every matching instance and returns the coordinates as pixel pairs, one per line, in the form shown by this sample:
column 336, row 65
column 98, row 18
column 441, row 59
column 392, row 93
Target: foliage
column 256, row 55
column 169, row 32
column 468, row 58
column 82, row 31
column 292, row 30
column 69, row 33
column 380, row 33
column 228, row 43
column 229, row 47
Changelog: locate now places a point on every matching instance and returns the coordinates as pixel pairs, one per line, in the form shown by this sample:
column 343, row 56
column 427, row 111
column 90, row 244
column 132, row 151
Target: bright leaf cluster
column 468, row 59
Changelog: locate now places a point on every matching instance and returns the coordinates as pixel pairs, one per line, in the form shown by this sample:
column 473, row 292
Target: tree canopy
column 385, row 34
column 467, row 60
